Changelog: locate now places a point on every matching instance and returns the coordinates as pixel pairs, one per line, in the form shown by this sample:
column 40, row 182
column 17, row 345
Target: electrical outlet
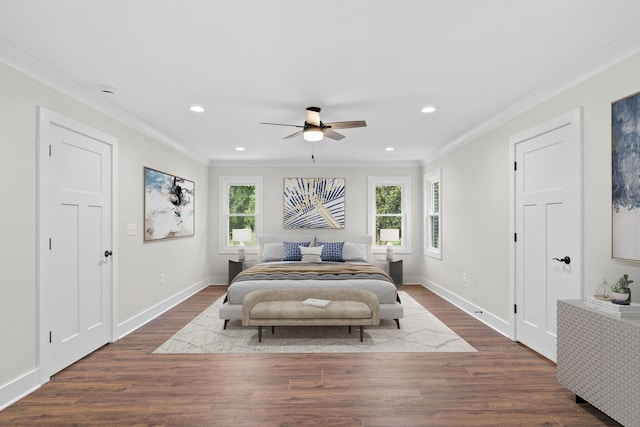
column 162, row 279
column 464, row 277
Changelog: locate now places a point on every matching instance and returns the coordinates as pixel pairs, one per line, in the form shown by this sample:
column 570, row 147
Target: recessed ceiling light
column 107, row 89
column 197, row 108
column 239, row 148
column 389, row 149
column 429, row 109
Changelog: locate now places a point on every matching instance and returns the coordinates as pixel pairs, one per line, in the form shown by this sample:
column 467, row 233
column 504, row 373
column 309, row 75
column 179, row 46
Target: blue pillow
column 292, row 250
column 331, row 251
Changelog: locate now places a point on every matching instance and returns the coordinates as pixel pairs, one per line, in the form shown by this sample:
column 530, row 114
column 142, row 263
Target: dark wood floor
column 503, row 384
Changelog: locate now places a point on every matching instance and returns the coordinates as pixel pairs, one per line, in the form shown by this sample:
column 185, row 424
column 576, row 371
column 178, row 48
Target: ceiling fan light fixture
column 313, row 135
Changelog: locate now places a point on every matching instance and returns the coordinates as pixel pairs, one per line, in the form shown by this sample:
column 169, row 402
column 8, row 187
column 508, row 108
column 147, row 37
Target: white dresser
column 599, row 360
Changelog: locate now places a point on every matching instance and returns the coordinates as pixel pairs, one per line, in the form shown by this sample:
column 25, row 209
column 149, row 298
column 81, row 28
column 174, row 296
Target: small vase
column 603, row 291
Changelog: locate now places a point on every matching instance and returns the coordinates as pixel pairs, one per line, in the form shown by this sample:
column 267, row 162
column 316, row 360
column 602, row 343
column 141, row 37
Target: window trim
column 405, row 183
column 430, row 179
column 223, row 231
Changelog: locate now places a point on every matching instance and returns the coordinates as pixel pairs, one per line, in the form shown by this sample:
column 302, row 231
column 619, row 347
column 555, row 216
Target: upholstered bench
column 284, row 307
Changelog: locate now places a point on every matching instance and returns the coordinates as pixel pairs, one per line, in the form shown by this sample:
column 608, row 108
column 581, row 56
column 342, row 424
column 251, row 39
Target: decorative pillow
column 292, row 250
column 354, row 252
column 272, row 252
column 311, row 254
column 331, row 251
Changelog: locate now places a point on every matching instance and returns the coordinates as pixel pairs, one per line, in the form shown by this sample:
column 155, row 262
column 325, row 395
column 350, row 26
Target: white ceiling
column 249, row 61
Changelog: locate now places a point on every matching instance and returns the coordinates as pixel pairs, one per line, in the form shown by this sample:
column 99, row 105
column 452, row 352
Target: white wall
column 476, row 197
column 184, row 261
column 355, row 206
column 475, row 211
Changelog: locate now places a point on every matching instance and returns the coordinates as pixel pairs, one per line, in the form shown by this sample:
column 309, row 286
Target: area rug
column 420, row 332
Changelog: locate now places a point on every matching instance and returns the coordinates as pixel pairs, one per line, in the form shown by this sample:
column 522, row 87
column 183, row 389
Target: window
column 389, row 207
column 432, row 212
column 241, row 207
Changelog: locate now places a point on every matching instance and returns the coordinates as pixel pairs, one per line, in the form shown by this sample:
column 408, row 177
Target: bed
column 321, row 261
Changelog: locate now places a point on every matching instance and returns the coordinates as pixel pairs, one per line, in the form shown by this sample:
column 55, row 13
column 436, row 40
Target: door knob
column 566, row 260
column 107, row 254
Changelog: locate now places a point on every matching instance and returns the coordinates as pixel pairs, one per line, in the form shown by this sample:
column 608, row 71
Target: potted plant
column 621, row 291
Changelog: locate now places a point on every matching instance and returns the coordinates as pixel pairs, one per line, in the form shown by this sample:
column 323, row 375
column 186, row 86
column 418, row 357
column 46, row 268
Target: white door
column 75, row 237
column 548, row 227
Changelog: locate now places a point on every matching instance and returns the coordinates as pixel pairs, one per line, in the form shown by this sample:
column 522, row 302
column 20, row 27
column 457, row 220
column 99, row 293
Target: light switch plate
column 131, row 229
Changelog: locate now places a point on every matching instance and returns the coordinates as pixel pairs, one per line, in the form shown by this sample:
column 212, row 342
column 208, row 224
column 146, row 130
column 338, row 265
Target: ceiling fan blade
column 333, row 135
column 313, row 116
column 293, row 135
column 345, row 125
column 281, row 124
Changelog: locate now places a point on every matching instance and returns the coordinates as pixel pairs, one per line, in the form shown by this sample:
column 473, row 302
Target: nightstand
column 235, row 267
column 395, row 271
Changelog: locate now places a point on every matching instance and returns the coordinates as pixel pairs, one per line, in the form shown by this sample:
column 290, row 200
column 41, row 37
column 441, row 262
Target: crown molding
column 40, row 72
column 606, row 58
column 594, row 65
column 320, row 164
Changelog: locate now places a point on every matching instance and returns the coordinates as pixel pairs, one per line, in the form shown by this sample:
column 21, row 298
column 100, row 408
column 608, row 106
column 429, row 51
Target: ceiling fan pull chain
column 313, row 157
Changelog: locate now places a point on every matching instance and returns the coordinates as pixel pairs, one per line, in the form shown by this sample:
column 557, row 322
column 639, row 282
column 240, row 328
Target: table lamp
column 241, row 235
column 389, row 235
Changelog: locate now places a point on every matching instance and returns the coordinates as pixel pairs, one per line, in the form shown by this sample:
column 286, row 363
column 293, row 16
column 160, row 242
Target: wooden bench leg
column 273, row 328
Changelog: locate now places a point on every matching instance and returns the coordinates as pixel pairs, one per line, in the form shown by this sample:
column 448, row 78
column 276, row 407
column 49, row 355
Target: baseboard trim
column 494, row 322
column 133, row 323
column 29, row 382
column 219, row 280
column 15, row 390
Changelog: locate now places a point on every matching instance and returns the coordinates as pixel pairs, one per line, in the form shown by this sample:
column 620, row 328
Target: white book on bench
column 316, row 302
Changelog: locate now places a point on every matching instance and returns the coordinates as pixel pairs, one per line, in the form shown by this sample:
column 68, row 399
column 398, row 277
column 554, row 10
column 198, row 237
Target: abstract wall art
column 625, row 178
column 314, row 202
column 168, row 205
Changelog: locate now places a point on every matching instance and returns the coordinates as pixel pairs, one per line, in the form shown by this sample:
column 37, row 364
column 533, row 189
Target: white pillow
column 354, row 252
column 311, row 254
column 273, row 252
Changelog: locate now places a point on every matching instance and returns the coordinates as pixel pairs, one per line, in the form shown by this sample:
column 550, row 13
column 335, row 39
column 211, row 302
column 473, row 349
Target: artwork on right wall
column 625, row 178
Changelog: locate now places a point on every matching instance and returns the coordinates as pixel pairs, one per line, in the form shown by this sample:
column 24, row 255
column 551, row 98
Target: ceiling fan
column 314, row 129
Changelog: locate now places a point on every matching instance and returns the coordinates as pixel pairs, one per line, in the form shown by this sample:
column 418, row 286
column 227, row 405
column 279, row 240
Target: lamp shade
column 389, row 234
column 241, row 234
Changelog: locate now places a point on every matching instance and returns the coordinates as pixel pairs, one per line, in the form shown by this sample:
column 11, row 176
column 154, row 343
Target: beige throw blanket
column 312, row 270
